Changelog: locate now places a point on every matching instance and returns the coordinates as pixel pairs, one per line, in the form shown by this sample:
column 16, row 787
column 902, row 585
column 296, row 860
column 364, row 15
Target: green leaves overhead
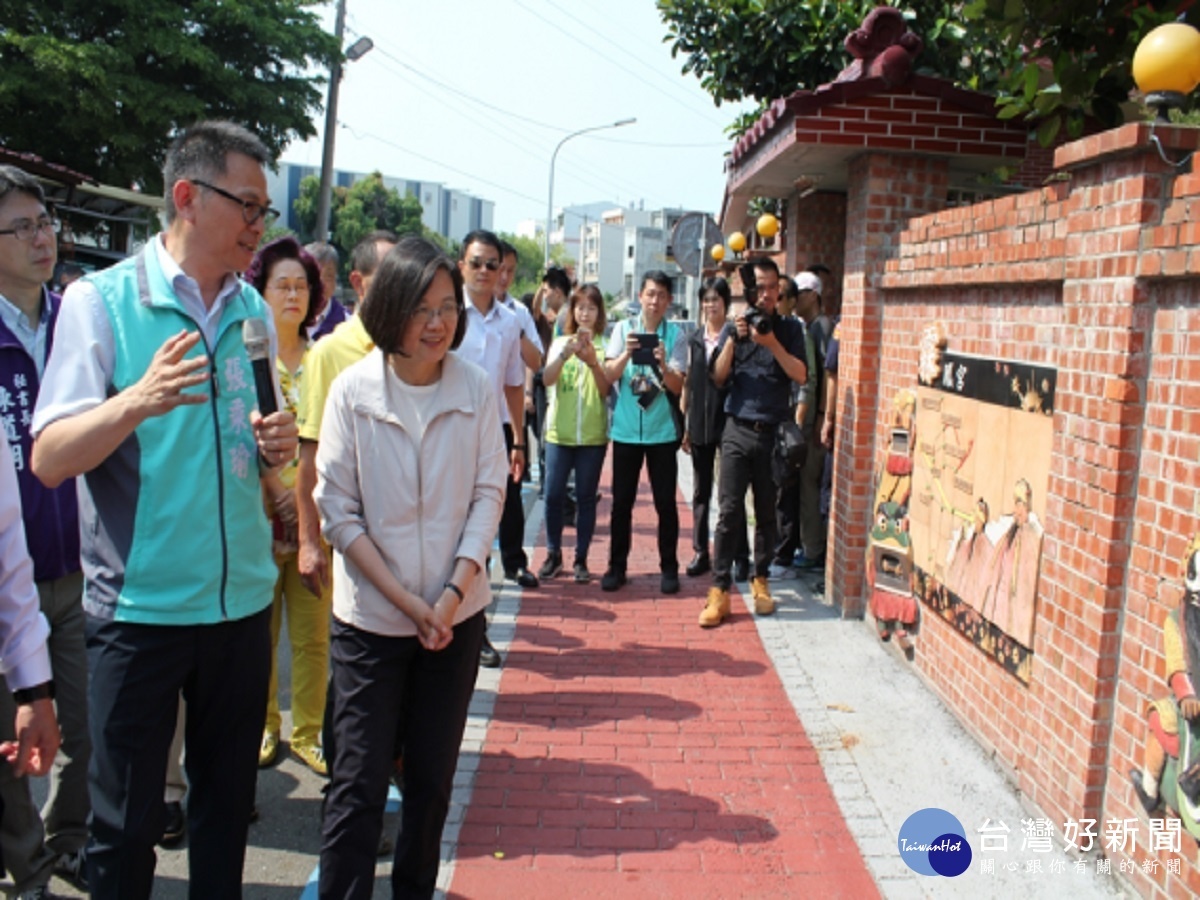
column 103, row 87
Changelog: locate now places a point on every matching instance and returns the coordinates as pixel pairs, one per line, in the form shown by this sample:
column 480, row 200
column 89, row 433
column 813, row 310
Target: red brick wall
column 1099, row 276
column 816, row 231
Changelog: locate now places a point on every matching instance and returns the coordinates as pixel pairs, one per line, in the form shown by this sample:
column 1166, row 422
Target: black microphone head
column 257, row 339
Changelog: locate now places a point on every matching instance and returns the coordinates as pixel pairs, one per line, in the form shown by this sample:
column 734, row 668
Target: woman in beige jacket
column 411, row 479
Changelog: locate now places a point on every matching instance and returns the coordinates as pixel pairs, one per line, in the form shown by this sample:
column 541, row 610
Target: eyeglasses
column 447, row 312
column 287, row 287
column 478, row 263
column 251, row 211
column 27, row 229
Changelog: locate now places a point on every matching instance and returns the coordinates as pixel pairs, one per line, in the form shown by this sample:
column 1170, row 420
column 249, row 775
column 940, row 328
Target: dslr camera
column 758, row 320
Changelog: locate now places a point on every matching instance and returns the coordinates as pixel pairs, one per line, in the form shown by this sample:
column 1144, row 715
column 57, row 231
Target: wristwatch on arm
column 25, row 696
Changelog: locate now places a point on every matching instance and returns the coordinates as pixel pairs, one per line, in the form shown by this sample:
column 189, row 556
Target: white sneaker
column 778, row 572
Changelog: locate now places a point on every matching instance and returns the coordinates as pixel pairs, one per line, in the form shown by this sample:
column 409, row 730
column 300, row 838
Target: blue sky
column 476, row 95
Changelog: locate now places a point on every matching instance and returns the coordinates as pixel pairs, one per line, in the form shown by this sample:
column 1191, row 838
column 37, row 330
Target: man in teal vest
column 154, row 406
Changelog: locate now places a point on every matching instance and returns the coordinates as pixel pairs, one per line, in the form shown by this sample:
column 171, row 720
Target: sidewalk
column 628, row 750
column 631, row 753
column 623, row 749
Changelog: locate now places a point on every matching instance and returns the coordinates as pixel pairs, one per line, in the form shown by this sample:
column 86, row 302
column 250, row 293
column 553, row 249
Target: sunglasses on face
column 477, row 263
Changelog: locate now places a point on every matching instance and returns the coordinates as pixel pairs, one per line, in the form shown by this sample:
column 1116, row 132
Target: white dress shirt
column 24, row 659
column 493, row 342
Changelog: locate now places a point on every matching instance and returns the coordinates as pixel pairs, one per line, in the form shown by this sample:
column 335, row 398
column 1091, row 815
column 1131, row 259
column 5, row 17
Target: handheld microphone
column 258, row 347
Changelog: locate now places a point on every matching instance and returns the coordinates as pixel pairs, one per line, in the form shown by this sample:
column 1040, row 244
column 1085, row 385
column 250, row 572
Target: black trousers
column 787, row 517
column 512, row 519
column 137, row 674
column 663, row 468
column 745, row 462
column 378, row 681
column 704, row 457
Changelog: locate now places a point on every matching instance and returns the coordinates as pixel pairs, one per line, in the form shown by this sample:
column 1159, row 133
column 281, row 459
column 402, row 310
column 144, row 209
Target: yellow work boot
column 764, row 603
column 312, row 756
column 268, row 749
column 716, row 609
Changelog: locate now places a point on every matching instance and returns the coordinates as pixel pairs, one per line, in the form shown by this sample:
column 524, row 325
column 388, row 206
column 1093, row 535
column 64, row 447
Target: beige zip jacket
column 424, row 499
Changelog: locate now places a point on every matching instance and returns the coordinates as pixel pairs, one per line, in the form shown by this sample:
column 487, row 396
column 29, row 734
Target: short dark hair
column 556, row 277
column 481, row 236
column 287, row 247
column 201, row 151
column 404, row 276
column 766, row 264
column 718, row 286
column 659, row 277
column 507, row 249
column 364, row 258
column 585, row 292
column 788, row 287
column 819, row 269
column 18, row 180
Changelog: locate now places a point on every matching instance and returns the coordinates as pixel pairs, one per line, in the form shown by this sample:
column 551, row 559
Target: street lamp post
column 553, row 158
column 353, row 52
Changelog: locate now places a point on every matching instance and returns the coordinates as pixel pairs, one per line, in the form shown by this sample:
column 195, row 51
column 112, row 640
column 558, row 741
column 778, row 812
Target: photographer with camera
column 647, row 357
column 759, row 356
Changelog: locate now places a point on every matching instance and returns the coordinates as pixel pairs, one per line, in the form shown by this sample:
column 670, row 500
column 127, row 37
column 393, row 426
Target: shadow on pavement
column 580, row 808
column 632, row 660
column 569, row 710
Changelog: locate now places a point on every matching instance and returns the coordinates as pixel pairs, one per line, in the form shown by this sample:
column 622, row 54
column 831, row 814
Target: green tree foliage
column 103, row 87
column 1055, row 62
column 530, row 252
column 763, row 49
column 356, row 211
column 1075, row 57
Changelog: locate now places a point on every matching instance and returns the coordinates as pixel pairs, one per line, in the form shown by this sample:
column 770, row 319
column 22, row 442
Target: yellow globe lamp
column 737, row 242
column 767, row 226
column 1166, row 65
column 717, row 253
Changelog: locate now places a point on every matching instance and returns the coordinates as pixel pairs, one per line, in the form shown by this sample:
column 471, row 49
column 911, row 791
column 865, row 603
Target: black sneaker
column 669, row 583
column 489, row 656
column 582, row 575
column 552, row 566
column 613, row 580
column 176, row 826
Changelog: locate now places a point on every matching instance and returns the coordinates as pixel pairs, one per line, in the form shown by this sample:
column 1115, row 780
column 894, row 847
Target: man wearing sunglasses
column 34, row 845
column 493, row 342
column 153, row 405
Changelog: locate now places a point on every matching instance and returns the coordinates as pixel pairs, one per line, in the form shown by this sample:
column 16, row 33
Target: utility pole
column 321, row 232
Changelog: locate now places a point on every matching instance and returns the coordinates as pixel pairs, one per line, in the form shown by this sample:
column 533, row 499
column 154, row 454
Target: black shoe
column 489, row 656
column 741, row 569
column 176, row 826
column 72, row 867
column 582, row 575
column 523, row 577
column 699, row 565
column 552, row 566
column 812, row 565
column 613, row 580
column 669, row 583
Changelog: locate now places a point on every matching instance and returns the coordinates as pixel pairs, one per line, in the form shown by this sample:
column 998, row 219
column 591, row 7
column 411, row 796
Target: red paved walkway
column 632, row 754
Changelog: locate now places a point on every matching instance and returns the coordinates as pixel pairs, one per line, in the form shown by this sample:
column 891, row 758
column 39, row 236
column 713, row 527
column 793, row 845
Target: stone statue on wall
column 1170, row 773
column 882, row 47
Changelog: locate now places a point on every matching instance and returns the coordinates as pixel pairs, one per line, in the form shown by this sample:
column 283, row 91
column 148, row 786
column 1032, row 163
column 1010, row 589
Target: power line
column 505, row 135
column 617, row 182
column 438, row 162
column 584, row 43
column 621, row 49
